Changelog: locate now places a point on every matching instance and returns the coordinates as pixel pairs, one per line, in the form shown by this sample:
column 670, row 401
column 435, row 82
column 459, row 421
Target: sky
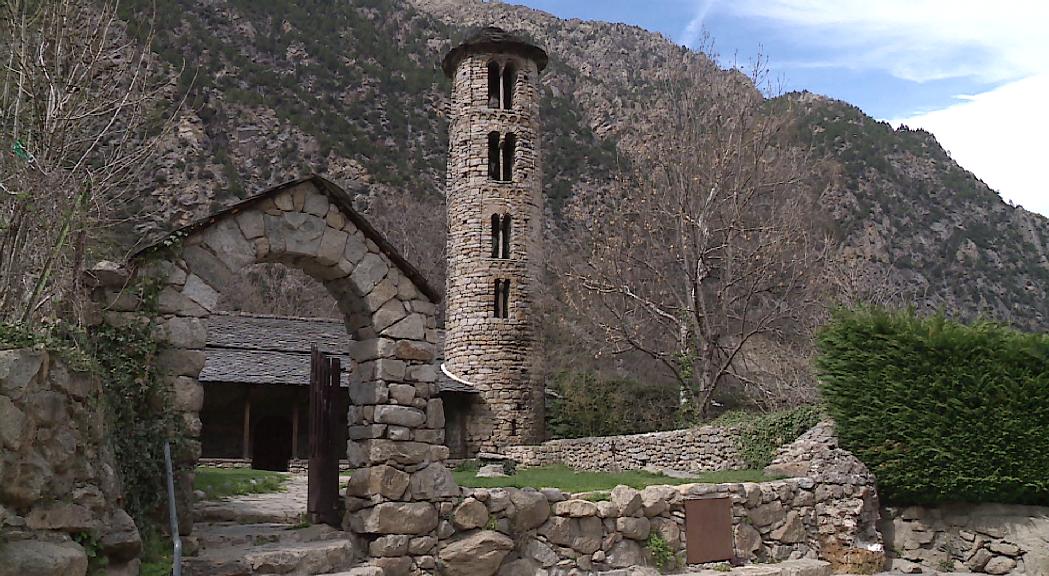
column 975, row 73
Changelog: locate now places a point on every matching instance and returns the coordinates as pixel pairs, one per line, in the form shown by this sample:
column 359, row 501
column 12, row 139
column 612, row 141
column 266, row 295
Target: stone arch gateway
column 396, row 420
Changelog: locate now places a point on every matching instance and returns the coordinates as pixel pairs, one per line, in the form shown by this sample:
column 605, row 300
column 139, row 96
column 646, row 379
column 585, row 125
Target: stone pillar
column 399, row 488
column 497, row 352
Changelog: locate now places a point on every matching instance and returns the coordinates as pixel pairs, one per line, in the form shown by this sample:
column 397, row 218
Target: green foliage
column 569, row 480
column 588, row 404
column 221, row 482
column 659, row 551
column 938, row 410
column 761, row 434
column 156, row 552
column 137, row 406
column 96, row 560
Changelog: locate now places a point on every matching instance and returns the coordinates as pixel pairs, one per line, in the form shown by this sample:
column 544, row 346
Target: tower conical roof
column 493, row 39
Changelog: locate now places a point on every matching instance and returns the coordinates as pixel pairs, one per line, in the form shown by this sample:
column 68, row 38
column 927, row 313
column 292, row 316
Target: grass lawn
column 220, row 482
column 570, row 480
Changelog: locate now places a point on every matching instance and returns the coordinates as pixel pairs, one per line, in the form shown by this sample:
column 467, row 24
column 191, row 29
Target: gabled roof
column 267, row 349
column 493, row 39
column 337, row 196
column 263, row 349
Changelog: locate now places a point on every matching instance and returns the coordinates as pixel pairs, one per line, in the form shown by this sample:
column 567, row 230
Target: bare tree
column 78, row 102
column 713, row 247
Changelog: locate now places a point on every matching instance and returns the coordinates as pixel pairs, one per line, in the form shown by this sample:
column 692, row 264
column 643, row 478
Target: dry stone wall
column 979, row 538
column 829, row 512
column 690, row 451
column 57, row 475
column 499, row 356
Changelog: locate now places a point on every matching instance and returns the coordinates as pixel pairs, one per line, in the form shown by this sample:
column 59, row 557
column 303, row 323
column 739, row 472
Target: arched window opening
column 493, row 156
column 501, row 308
column 504, row 233
column 493, row 85
column 509, row 143
column 497, row 231
column 509, row 79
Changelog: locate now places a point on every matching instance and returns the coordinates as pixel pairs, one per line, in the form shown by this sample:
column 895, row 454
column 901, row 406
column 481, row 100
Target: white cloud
column 693, row 31
column 915, row 40
column 999, row 136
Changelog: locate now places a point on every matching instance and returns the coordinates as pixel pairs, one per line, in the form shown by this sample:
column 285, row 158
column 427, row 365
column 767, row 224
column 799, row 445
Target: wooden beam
column 295, row 430
column 246, row 451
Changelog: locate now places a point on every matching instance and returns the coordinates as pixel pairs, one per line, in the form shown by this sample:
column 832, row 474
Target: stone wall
column 499, row 356
column 982, row 538
column 691, row 451
column 830, row 512
column 57, row 475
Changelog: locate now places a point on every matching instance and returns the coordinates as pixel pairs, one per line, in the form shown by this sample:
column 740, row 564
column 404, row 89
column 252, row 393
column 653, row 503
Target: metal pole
column 176, row 560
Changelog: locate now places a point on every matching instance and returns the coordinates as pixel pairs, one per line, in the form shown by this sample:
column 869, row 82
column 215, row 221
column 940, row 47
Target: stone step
column 236, row 551
column 217, row 535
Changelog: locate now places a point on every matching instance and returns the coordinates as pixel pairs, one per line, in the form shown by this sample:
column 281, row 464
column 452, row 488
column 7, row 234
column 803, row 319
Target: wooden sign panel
column 708, row 530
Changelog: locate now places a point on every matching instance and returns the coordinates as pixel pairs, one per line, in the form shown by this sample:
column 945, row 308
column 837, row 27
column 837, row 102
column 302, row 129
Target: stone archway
column 396, row 419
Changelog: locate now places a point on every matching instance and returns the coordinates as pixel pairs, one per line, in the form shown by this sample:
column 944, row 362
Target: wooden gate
column 322, row 500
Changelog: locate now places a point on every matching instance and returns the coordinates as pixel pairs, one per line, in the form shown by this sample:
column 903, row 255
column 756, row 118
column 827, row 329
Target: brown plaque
column 708, row 530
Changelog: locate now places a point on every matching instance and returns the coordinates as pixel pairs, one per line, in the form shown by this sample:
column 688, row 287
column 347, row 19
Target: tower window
column 500, row 236
column 494, row 172
column 509, row 143
column 501, row 308
column 505, row 234
column 493, row 85
column 496, row 235
column 509, row 78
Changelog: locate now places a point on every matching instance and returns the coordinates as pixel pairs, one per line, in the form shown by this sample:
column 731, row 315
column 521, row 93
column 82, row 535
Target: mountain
column 351, row 89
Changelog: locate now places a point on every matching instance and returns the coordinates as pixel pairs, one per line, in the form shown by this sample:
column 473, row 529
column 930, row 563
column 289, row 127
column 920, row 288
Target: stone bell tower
column 495, row 231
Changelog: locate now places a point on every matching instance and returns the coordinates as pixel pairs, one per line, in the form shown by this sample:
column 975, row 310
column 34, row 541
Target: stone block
column 19, row 368
column 575, row 508
column 38, row 558
column 250, row 223
column 434, row 482
column 201, row 293
column 188, row 394
column 229, row 245
column 332, row 246
column 381, row 451
column 389, row 314
column 530, row 509
column 62, row 516
column 180, row 362
column 627, row 499
column 11, row 422
column 371, row 269
column 470, row 514
column 389, row 545
column 412, row 327
column 183, row 332
column 121, row 541
column 413, row 350
column 478, row 554
column 204, row 264
column 402, row 393
column 435, row 413
column 633, row 528
column 396, row 518
column 399, row 415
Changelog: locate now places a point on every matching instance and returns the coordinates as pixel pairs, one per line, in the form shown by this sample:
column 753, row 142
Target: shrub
column 592, row 405
column 761, row 434
column 938, row 410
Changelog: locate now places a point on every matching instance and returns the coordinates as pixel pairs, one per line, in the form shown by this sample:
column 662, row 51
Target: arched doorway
column 395, row 419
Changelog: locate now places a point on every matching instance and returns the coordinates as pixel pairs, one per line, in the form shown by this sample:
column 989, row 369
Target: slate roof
column 260, row 349
column 265, row 349
column 493, row 39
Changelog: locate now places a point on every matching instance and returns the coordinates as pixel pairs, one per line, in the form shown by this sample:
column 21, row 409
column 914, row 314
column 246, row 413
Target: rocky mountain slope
column 352, row 89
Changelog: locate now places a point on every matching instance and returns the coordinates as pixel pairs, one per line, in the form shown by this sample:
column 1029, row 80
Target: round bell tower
column 495, row 232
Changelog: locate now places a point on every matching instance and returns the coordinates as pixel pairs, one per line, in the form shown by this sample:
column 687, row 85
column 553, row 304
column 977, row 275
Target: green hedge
column 938, row 410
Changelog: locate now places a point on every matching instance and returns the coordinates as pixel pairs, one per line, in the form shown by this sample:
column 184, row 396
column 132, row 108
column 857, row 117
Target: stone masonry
column 691, row 451
column 58, row 478
column 499, row 356
column 396, row 420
